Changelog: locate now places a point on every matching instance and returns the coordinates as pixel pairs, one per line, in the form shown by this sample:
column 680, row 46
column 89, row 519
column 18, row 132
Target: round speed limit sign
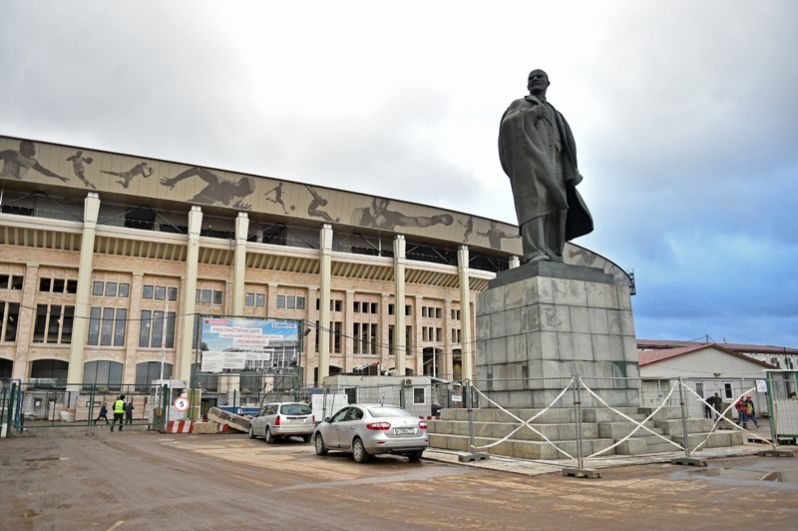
column 181, row 403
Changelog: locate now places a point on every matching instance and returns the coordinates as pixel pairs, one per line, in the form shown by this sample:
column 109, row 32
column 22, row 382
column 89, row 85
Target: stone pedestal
column 543, row 322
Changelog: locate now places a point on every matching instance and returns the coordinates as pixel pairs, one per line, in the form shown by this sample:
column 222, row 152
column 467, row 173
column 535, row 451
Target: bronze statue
column 538, row 153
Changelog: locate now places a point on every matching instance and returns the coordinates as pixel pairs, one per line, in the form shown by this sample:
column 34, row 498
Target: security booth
column 783, row 398
column 164, row 395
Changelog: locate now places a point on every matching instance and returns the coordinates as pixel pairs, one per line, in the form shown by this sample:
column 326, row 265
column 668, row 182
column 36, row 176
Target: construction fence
column 579, row 419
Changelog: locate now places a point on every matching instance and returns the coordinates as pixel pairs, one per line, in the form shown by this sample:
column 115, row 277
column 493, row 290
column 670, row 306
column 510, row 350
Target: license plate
column 404, row 431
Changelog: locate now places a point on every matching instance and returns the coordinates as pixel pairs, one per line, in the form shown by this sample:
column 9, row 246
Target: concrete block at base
column 633, row 446
column 619, row 430
column 206, row 427
column 674, row 427
column 666, row 413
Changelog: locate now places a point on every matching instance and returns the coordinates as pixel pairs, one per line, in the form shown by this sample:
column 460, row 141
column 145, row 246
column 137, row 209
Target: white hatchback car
column 283, row 419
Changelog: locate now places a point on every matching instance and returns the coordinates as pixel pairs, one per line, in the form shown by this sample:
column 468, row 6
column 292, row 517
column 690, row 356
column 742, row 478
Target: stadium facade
column 108, row 259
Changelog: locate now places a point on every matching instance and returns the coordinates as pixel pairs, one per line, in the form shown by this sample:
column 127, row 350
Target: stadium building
column 108, row 259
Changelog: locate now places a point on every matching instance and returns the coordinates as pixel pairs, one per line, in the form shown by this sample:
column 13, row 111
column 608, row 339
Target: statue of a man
column 538, row 153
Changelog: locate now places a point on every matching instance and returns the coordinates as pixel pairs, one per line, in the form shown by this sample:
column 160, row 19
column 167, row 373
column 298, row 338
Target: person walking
column 119, row 412
column 103, row 413
column 129, row 412
column 742, row 413
column 717, row 403
column 750, row 413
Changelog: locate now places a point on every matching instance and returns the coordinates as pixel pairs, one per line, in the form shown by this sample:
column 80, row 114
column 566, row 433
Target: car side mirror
column 328, row 420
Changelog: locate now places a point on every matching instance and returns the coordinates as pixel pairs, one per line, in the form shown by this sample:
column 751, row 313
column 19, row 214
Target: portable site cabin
column 413, row 393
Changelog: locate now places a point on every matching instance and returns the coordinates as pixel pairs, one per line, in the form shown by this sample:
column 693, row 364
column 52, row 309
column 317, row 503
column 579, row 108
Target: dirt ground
column 74, row 479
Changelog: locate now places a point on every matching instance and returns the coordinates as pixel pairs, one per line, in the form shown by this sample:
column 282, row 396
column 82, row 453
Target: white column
column 185, row 355
column 467, row 341
column 238, row 285
column 399, row 343
column 240, row 263
column 80, row 326
column 325, row 272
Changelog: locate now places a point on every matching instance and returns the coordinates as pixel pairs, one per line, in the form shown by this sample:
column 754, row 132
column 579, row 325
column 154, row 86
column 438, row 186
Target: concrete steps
column 517, row 448
column 601, row 428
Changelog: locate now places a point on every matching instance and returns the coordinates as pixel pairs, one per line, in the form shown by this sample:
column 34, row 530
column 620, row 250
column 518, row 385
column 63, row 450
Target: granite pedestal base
column 544, row 322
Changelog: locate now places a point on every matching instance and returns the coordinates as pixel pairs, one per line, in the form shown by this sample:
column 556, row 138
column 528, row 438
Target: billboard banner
column 248, row 345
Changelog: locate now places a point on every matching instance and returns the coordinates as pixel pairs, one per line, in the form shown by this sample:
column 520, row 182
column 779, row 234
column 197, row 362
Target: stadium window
column 300, row 303
column 217, row 297
column 390, row 309
column 71, row 286
column 102, row 375
column 249, row 299
column 124, row 289
column 53, row 324
column 4, row 281
column 147, row 292
column 171, row 293
column 17, row 281
column 356, row 307
column 374, row 308
column 44, row 284
column 97, row 288
column 206, row 296
column 160, row 293
column 9, row 320
column 148, row 371
column 260, row 300
column 110, row 289
column 152, row 329
column 280, row 302
column 408, row 310
column 107, row 326
column 290, row 302
column 58, row 285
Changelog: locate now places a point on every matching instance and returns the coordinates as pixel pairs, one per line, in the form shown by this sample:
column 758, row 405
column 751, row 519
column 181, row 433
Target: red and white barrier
column 179, row 426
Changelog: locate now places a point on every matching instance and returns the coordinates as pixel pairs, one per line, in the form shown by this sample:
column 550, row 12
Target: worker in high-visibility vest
column 119, row 412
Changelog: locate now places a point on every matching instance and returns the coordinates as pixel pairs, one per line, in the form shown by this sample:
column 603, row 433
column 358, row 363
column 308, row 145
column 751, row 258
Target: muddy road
column 68, row 479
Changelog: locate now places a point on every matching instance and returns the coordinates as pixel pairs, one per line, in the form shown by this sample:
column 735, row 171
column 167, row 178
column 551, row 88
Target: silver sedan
column 369, row 429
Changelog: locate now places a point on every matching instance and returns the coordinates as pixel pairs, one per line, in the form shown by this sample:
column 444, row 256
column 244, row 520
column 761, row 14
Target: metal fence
column 81, row 405
column 586, row 418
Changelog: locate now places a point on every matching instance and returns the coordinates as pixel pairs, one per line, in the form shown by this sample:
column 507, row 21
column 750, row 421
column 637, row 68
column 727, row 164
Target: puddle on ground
column 784, row 476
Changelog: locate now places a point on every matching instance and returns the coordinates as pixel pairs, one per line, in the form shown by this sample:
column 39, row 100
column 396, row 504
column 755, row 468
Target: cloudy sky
column 684, row 114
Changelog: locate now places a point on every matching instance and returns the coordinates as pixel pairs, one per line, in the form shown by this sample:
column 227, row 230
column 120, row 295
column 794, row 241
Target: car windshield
column 388, row 411
column 295, row 409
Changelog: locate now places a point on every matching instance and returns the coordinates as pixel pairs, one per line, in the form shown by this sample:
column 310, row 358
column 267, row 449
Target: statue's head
column 538, row 82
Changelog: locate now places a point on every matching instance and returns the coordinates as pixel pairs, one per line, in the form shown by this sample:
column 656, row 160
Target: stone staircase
column 601, row 428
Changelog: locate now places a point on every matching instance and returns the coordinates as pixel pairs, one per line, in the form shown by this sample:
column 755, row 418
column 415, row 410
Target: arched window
column 49, row 373
column 148, row 371
column 6, row 366
column 102, row 375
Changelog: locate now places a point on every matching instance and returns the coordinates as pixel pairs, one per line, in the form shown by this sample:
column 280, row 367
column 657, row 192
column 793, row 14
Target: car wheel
column 306, row 438
column 251, row 432
column 359, row 452
column 319, row 444
column 268, row 436
column 415, row 456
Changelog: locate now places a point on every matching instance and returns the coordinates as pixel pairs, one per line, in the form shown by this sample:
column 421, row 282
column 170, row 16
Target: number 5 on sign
column 181, row 403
